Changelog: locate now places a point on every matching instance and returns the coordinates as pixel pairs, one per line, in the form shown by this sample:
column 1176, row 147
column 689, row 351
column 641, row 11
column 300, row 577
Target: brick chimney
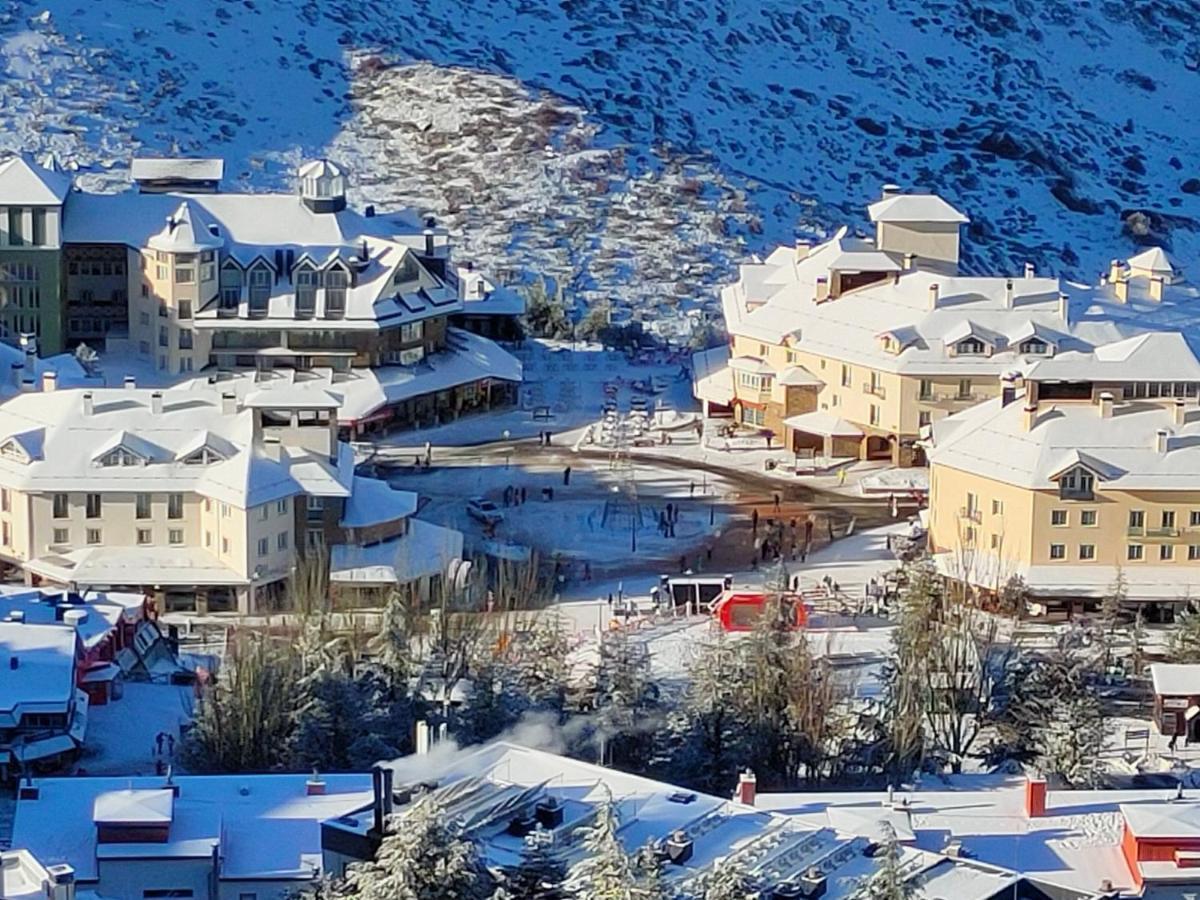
column 1008, row 388
column 747, row 788
column 89, row 403
column 130, row 382
column 1064, row 308
column 315, row 786
column 1035, row 797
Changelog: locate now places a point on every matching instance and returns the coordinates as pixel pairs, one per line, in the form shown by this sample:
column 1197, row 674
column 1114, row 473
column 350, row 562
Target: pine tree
column 1112, row 606
column 539, row 664
column 392, row 645
column 540, row 875
column 604, row 872
column 889, row 881
column 624, row 698
column 1184, row 644
column 421, row 859
column 727, row 881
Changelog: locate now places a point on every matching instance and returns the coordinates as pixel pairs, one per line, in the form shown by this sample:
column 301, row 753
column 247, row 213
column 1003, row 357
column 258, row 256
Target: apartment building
column 1087, row 475
column 850, row 347
column 198, row 498
column 175, row 273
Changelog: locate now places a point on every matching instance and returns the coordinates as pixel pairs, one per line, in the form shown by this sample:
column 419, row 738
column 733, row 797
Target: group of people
column 667, row 517
column 779, row 541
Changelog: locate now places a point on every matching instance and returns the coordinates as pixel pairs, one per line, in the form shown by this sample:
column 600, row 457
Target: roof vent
column 935, row 290
column 89, row 403
column 549, row 813
column 1106, row 405
column 813, row 883
column 1160, row 440
column 679, row 847
column 891, row 190
column 130, row 382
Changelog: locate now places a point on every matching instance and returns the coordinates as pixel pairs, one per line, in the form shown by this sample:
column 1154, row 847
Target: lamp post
column 507, row 450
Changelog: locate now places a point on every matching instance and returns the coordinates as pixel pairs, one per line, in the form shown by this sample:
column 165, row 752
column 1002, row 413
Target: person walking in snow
column 567, row 476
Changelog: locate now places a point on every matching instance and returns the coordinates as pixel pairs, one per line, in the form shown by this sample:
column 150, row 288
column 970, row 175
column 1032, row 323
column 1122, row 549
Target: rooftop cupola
column 322, row 185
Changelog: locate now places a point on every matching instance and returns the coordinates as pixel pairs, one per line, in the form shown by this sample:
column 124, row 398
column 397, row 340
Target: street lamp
column 507, row 450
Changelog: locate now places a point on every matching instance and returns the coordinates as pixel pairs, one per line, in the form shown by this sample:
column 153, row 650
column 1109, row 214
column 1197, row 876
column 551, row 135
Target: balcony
column 1163, row 534
column 949, row 399
column 968, row 514
column 877, row 390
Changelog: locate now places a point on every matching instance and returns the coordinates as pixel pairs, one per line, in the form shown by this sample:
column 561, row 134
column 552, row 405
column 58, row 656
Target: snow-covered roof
column 147, row 168
column 1175, row 679
column 267, row 826
column 712, row 379
column 1153, row 260
column 102, row 610
column 318, row 168
column 1155, row 356
column 424, row 551
column 24, row 182
column 113, row 565
column 44, row 674
column 74, row 446
column 822, row 423
column 129, row 806
column 990, row 440
column 986, row 569
column 374, row 501
column 915, row 208
column 1162, row 819
column 187, row 230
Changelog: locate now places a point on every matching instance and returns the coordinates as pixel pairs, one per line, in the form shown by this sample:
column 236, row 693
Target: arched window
column 306, row 291
column 260, row 289
column 337, row 280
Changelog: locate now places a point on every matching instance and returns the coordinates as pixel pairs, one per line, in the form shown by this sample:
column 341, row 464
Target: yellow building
column 850, row 347
column 1087, row 476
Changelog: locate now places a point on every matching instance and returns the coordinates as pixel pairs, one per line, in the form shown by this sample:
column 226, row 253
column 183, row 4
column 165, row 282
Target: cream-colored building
column 202, row 499
column 1088, row 473
column 850, row 347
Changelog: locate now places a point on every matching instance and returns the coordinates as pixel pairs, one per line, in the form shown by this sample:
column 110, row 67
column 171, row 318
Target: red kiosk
column 741, row 610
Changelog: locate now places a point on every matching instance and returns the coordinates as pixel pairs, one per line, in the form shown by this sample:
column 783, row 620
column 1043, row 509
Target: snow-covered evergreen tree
column 421, row 859
column 540, row 875
column 727, row 881
column 1184, row 644
column 888, row 881
column 604, row 872
column 392, row 645
column 624, row 696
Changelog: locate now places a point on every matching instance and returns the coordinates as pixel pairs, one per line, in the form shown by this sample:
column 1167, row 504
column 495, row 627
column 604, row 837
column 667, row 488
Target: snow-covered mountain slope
column 680, row 127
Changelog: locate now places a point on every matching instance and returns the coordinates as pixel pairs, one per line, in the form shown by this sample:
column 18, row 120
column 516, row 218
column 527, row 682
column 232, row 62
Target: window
column 206, row 272
column 874, row 414
column 1193, row 552
column 997, row 507
column 175, row 536
column 143, row 318
column 1194, row 518
column 5, row 534
column 231, row 286
column 846, row 375
column 1087, row 517
column 93, row 506
column 306, row 292
column 336, row 282
column 174, row 506
column 924, row 417
column 143, row 506
column 264, row 546
column 971, row 346
column 1134, row 551
column 157, row 893
column 1168, row 518
column 964, row 389
column 185, row 309
column 93, row 536
column 224, row 510
column 281, row 506
column 62, row 535
column 5, row 500
column 1058, row 551
column 1058, row 517
column 1137, row 518
column 39, row 227
column 1166, row 551
column 225, row 545
column 995, row 541
column 752, row 415
column 260, row 289
column 207, row 540
column 161, row 272
column 163, row 337
column 1087, row 551
column 1077, row 484
column 185, row 275
column 185, row 339
column 245, row 896
column 281, row 542
column 15, row 227
column 62, row 506
column 415, row 331
column 925, row 390
column 1034, row 347
column 143, row 536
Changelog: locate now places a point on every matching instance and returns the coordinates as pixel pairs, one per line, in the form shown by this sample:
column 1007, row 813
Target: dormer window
column 231, row 285
column 1034, row 347
column 306, row 291
column 971, row 346
column 120, row 456
column 206, row 455
column 1077, row 484
column 14, row 451
column 260, row 289
column 337, row 280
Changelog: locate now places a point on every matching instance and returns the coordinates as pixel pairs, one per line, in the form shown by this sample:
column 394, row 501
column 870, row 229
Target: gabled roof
column 134, row 807
column 218, row 444
column 751, row 364
column 1075, row 458
column 795, row 376
column 915, row 208
column 135, row 444
column 374, row 502
column 967, row 329
column 1178, row 819
column 22, row 181
column 30, row 442
column 1030, row 329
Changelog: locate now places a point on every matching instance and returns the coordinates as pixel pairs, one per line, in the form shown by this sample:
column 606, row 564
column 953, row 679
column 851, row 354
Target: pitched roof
column 134, row 807
column 147, row 168
column 915, row 208
column 1153, row 259
column 188, row 230
column 24, row 182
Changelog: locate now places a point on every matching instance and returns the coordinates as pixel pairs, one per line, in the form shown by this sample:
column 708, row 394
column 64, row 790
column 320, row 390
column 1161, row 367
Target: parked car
column 483, row 510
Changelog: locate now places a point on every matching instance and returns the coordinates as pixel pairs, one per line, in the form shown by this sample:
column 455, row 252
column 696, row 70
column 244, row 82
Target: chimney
column 1160, row 440
column 49, row 382
column 16, row 374
column 388, row 790
column 1030, row 412
column 315, row 786
column 1106, row 405
column 747, row 788
column 272, row 448
column 934, row 290
column 60, row 885
column 429, row 223
column 1035, row 797
column 1115, row 270
column 910, row 261
column 1030, row 271
column 1008, row 388
column 1064, row 308
column 377, row 798
column 28, row 790
column 228, row 403
column 1121, row 289
column 130, row 383
column 369, row 212
column 890, row 190
column 156, row 403
column 89, row 403
column 1008, row 294
column 1179, row 413
column 803, row 248
column 421, row 744
column 1156, row 288
column 822, row 288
